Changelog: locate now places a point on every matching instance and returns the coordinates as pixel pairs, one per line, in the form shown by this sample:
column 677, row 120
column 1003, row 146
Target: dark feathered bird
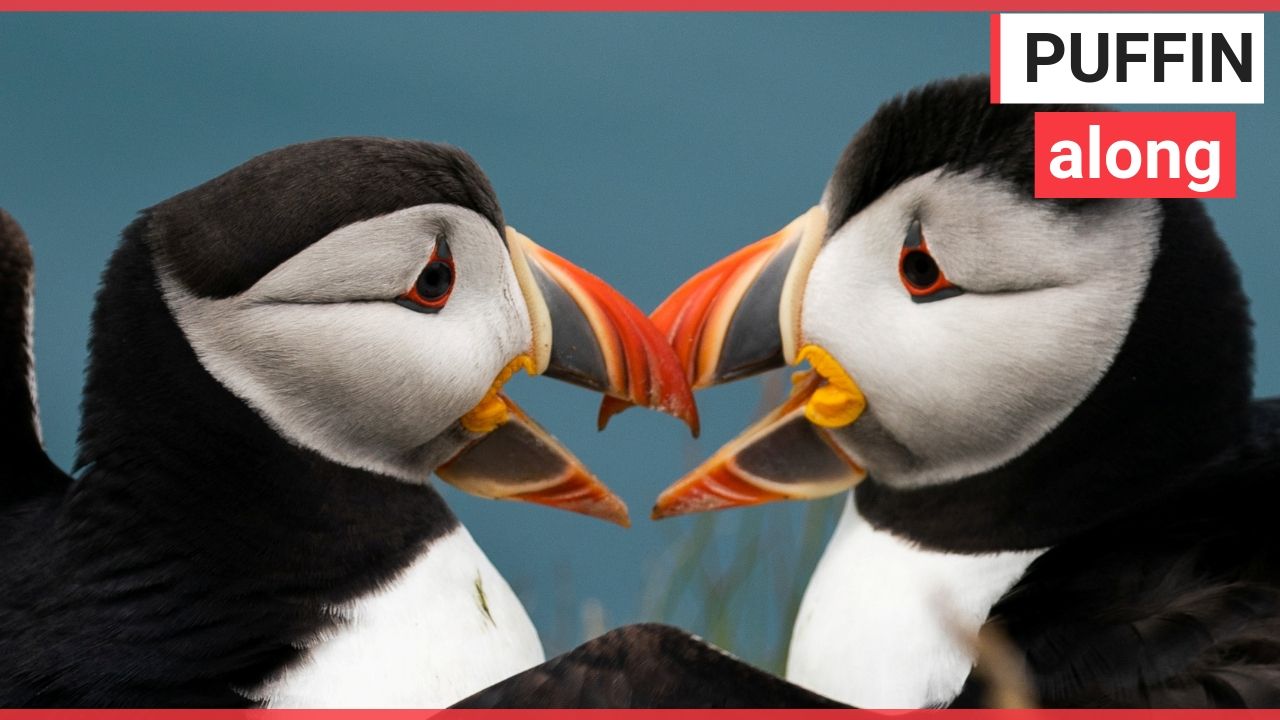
column 280, row 358
column 1045, row 407
column 649, row 666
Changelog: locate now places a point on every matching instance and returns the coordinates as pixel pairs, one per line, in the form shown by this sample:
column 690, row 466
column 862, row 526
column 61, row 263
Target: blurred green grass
column 736, row 577
column 739, row 582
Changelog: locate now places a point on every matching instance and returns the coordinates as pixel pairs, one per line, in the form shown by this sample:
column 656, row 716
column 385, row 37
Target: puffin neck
column 165, row 444
column 1175, row 400
column 29, row 469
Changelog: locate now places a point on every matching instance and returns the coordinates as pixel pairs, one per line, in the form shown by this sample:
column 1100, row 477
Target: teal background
column 640, row 146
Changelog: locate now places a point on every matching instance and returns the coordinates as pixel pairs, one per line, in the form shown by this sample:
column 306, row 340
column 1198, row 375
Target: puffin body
column 1041, row 413
column 279, row 360
column 1044, row 406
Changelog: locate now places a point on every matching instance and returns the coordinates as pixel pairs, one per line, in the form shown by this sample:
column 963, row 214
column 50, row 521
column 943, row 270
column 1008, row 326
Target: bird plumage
column 200, row 555
column 645, row 666
column 1173, row 604
column 29, row 470
column 187, row 562
column 1139, row 506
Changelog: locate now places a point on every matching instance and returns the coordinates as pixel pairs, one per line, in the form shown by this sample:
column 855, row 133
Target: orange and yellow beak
column 518, row 460
column 583, row 332
column 783, row 456
column 740, row 317
column 588, row 334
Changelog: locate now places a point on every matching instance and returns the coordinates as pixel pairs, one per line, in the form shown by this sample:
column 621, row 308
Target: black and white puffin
column 1045, row 407
column 280, row 358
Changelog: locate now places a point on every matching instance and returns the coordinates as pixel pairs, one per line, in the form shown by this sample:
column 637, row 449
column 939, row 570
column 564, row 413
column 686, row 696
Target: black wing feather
column 1175, row 604
column 24, row 468
column 645, row 666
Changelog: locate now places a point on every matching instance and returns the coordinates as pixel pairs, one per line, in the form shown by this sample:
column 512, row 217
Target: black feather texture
column 222, row 236
column 1175, row 604
column 199, row 553
column 1156, row 497
column 949, row 124
column 25, row 469
column 18, row 431
column 645, row 666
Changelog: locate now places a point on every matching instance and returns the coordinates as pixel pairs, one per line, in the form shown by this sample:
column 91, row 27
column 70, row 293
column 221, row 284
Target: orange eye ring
column 433, row 286
column 920, row 274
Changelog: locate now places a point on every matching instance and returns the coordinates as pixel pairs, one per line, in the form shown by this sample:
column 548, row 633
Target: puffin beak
column 518, row 460
column 583, row 332
column 740, row 317
column 588, row 334
column 783, row 456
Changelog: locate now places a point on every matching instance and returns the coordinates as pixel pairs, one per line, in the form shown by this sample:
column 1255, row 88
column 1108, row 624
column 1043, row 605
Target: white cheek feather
column 446, row 627
column 887, row 624
column 321, row 351
column 967, row 383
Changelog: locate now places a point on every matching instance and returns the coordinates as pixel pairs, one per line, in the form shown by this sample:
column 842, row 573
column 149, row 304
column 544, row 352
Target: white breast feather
column 887, row 624
column 447, row 627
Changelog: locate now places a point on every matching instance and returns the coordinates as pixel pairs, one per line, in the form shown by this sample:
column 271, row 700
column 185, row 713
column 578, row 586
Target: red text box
column 1135, row 154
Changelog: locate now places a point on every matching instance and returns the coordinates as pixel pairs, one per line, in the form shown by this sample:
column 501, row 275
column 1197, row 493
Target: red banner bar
column 640, row 714
column 1135, row 155
column 634, row 5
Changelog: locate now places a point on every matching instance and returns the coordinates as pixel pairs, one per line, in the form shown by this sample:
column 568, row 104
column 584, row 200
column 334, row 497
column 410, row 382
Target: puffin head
column 366, row 298
column 966, row 340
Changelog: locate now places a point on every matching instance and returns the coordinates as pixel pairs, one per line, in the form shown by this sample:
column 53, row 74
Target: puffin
column 280, row 359
column 1040, row 412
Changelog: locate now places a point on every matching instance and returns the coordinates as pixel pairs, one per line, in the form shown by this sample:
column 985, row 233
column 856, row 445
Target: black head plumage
column 948, row 124
column 222, row 236
column 1176, row 397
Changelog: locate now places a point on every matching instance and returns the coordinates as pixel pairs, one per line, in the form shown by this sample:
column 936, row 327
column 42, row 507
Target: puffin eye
column 433, row 285
column 919, row 272
column 435, row 281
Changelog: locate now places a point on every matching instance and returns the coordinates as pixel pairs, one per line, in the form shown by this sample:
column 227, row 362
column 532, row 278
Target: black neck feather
column 29, row 470
column 246, row 541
